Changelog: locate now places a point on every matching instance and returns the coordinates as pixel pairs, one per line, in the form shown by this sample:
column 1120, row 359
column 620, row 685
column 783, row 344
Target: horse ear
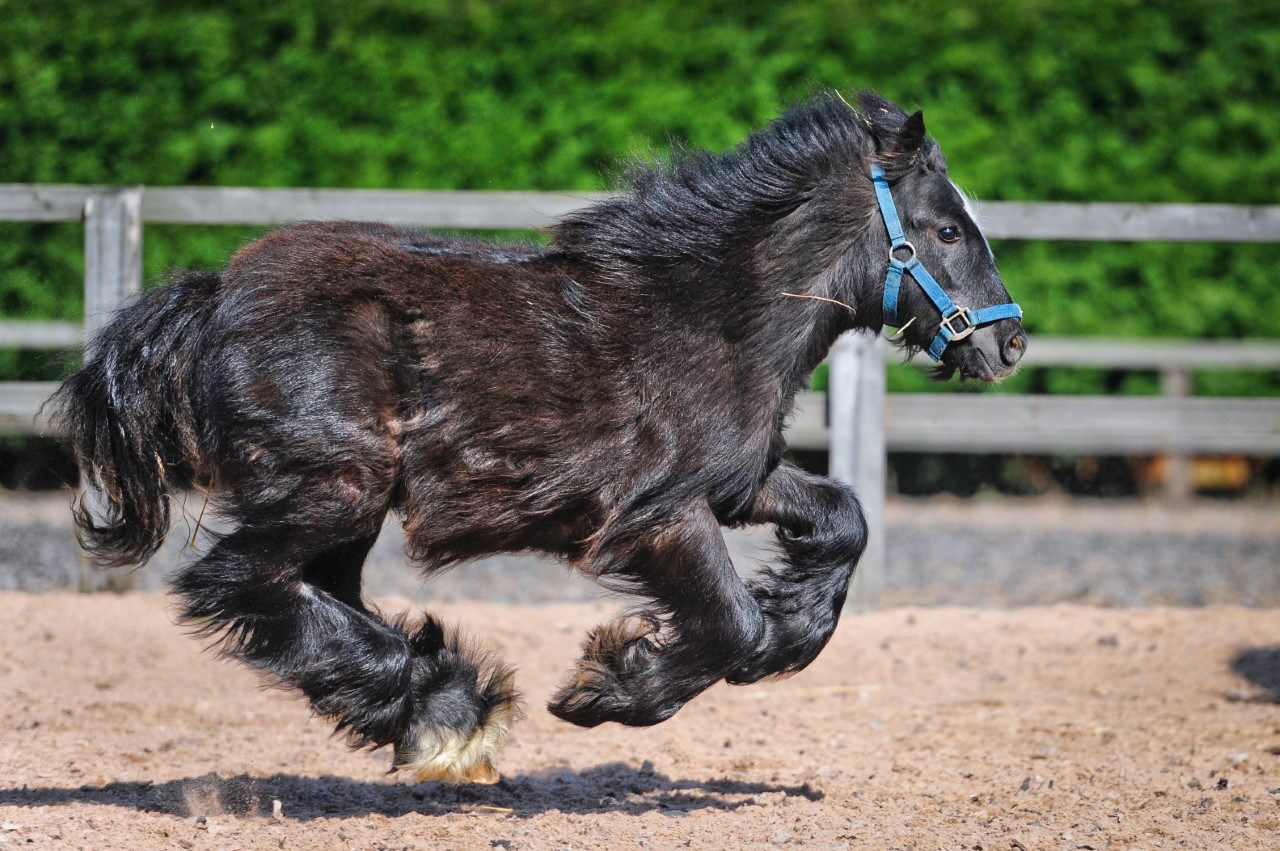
column 911, row 137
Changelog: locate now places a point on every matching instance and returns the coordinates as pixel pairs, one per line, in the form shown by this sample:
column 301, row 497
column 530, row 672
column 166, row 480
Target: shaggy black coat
column 613, row 399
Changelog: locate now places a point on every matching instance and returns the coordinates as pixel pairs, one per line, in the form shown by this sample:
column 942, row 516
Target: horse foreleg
column 641, row 669
column 822, row 533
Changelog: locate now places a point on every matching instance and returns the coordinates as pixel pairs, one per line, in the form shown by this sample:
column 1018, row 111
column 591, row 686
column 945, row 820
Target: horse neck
column 812, row 295
column 731, row 269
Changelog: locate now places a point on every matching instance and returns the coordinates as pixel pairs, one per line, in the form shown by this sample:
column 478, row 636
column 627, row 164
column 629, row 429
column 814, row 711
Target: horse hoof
column 449, row 757
column 463, row 756
column 609, row 684
column 481, row 773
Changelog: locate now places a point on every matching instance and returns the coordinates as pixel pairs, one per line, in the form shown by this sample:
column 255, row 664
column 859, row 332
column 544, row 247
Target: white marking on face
column 971, row 209
column 970, row 205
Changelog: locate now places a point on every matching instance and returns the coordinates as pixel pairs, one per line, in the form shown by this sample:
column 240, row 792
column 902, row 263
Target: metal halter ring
column 893, row 249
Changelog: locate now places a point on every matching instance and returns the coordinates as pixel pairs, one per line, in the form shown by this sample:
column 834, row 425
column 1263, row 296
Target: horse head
column 942, row 289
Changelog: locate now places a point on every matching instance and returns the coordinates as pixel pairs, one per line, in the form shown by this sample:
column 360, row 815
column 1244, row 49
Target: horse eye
column 949, row 234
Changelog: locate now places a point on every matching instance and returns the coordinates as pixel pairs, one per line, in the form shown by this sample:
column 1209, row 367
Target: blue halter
column 957, row 322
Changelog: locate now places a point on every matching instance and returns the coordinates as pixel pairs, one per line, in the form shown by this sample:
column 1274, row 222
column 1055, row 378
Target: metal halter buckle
column 966, row 328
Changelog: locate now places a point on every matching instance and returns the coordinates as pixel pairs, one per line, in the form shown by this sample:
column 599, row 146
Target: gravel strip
column 980, row 552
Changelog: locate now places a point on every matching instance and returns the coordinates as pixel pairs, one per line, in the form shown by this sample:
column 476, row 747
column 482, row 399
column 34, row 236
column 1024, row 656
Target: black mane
column 700, row 206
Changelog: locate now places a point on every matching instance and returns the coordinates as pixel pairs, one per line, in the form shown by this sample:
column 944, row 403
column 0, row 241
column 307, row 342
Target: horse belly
column 466, row 501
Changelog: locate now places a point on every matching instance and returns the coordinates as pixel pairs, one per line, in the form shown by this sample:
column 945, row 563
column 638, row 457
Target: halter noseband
column 957, row 322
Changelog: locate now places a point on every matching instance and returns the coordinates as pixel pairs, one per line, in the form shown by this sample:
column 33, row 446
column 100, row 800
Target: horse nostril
column 1014, row 348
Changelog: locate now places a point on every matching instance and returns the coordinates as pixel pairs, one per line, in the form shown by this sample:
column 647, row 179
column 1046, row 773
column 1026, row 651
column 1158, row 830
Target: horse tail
column 129, row 417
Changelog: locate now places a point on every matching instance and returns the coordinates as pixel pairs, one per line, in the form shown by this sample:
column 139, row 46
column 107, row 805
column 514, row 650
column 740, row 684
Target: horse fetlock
column 464, row 709
column 617, row 677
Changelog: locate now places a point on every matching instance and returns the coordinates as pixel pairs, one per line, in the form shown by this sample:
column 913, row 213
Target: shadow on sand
column 1261, row 667
column 610, row 787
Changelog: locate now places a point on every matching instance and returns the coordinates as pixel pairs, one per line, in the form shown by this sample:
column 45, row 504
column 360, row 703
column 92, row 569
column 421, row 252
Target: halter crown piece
column 957, row 322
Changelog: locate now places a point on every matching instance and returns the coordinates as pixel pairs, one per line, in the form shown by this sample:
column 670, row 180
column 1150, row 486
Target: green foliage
column 1032, row 100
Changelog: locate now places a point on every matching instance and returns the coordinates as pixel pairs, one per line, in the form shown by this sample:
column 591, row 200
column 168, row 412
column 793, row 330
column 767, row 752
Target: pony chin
column 953, row 362
column 942, row 372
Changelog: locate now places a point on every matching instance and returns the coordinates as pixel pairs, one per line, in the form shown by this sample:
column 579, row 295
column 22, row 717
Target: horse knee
column 836, row 532
column 851, row 530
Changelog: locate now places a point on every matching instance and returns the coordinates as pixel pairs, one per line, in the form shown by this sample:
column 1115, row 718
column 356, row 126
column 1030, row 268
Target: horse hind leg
column 287, row 603
column 311, row 458
column 338, row 570
column 464, row 700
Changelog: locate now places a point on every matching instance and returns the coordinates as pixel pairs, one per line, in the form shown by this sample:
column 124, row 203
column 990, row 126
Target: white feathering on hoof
column 457, row 756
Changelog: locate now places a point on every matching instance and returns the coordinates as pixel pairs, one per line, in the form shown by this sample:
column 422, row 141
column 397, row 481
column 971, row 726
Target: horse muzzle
column 990, row 353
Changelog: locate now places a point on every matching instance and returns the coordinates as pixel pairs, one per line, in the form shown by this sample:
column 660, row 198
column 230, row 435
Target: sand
column 1061, row 727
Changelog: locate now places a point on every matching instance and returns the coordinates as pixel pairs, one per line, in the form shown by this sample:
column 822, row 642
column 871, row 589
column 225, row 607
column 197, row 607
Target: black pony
column 613, row 400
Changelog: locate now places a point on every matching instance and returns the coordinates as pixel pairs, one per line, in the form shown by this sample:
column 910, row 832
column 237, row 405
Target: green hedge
column 1062, row 100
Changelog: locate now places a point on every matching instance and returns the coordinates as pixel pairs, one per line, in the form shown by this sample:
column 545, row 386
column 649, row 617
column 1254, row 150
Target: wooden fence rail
column 858, row 422
column 189, row 205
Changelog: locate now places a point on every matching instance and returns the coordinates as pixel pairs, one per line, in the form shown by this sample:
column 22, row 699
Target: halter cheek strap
column 957, row 322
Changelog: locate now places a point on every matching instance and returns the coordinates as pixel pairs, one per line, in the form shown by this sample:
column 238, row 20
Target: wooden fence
column 858, row 422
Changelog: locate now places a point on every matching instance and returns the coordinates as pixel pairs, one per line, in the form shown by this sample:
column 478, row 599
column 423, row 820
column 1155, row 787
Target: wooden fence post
column 856, row 414
column 112, row 275
column 1178, row 483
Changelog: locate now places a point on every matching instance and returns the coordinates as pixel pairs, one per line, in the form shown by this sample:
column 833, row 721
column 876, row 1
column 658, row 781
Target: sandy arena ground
column 1037, row 728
